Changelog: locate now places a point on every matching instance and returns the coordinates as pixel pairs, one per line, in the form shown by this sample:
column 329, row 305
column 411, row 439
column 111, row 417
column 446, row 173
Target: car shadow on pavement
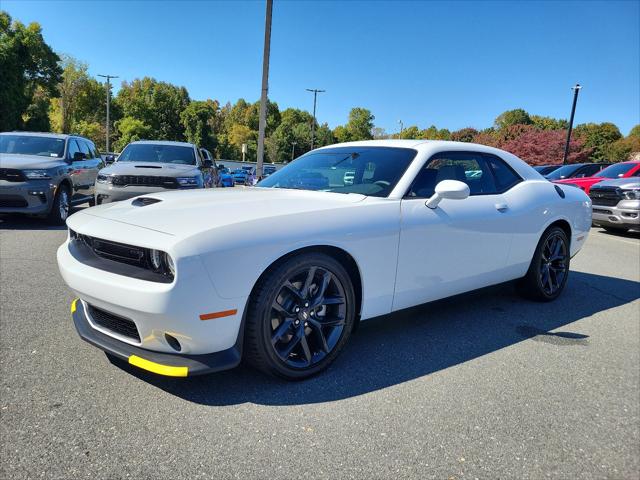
column 406, row 345
column 10, row 221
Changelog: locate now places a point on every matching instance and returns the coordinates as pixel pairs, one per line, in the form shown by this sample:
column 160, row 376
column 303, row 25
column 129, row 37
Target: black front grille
column 12, row 201
column 144, row 181
column 114, row 323
column 605, row 196
column 118, row 252
column 12, row 175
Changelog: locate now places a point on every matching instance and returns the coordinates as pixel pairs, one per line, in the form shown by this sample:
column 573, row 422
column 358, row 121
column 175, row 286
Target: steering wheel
column 382, row 183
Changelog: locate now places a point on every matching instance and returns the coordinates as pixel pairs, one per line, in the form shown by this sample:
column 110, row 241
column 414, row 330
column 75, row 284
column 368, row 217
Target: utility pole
column 265, row 89
column 293, row 150
column 108, row 77
column 315, row 92
column 575, row 89
column 401, row 128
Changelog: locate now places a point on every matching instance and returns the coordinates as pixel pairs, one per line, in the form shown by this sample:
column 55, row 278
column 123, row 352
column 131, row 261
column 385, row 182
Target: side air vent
column 144, row 201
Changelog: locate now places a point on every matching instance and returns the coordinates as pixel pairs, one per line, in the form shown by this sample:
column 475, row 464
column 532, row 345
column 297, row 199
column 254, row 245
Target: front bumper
column 168, row 364
column 106, row 193
column 625, row 214
column 32, row 197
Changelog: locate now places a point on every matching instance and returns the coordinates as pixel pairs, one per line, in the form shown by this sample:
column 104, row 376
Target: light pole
column 293, row 150
column 262, row 124
column 575, row 89
column 315, row 92
column 401, row 128
column 108, row 77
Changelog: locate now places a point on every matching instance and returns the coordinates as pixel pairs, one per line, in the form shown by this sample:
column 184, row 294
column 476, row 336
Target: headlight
column 631, row 194
column 36, row 174
column 187, row 181
column 161, row 262
column 104, row 178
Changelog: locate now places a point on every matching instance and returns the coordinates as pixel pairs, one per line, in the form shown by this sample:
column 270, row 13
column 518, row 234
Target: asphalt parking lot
column 484, row 385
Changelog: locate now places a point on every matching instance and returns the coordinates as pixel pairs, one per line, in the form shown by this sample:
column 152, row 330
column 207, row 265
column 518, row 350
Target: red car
column 617, row 170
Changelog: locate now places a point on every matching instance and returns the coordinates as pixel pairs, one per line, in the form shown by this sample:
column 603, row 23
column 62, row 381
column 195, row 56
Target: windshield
column 370, row 171
column 563, row 172
column 615, row 171
column 158, row 153
column 31, row 145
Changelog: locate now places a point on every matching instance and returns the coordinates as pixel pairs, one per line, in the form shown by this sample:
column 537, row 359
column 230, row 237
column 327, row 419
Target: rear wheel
column 549, row 269
column 60, row 208
column 300, row 317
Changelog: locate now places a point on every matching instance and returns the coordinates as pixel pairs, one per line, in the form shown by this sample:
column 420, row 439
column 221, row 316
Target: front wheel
column 549, row 269
column 300, row 317
column 60, row 208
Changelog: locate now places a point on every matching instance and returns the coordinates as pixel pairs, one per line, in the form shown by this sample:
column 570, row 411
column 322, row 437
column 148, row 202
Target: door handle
column 502, row 207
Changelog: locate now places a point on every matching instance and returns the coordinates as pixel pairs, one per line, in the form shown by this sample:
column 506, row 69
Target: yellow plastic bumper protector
column 73, row 306
column 158, row 368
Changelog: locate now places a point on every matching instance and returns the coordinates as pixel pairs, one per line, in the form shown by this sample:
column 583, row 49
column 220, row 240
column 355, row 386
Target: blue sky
column 452, row 64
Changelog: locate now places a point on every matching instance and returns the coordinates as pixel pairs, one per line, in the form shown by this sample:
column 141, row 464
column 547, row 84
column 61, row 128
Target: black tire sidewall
column 54, row 213
column 260, row 313
column 537, row 259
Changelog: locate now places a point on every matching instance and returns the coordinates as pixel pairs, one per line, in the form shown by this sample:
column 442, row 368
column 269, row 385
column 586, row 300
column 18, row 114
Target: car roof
column 44, row 134
column 162, row 142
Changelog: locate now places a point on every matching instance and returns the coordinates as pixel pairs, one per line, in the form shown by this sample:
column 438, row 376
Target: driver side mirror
column 77, row 157
column 451, row 189
column 207, row 164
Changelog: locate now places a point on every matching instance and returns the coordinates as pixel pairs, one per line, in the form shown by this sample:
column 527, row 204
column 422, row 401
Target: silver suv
column 151, row 166
column 46, row 173
column 616, row 203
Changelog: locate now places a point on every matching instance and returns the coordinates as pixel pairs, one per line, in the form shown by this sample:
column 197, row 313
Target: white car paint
column 222, row 240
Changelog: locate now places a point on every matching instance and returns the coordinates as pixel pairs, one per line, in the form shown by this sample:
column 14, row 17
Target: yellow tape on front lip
column 73, row 306
column 158, row 368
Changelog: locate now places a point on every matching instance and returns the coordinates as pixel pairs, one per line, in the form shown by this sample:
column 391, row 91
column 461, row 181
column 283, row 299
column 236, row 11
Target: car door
column 460, row 245
column 77, row 174
column 93, row 165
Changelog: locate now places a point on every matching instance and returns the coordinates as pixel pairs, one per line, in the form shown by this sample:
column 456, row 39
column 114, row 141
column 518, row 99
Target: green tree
column 341, row 134
column 635, row 131
column 411, row 133
column 433, row 133
column 156, row 104
column 131, row 129
column 360, row 124
column 29, row 71
column 512, row 117
column 599, row 138
column 198, row 120
column 548, row 123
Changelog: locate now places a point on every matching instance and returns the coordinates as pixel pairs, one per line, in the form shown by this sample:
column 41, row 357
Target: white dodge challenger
column 184, row 283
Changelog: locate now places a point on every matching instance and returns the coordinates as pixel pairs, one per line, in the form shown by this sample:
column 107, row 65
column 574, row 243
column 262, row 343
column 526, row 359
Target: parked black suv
column 46, row 173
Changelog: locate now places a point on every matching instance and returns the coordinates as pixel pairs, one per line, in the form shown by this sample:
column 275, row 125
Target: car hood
column 150, row 169
column 189, row 212
column 623, row 183
column 9, row 160
column 582, row 182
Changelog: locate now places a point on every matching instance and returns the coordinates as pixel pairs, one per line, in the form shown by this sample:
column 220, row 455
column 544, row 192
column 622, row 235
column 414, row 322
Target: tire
column 60, row 207
column 92, row 202
column 541, row 283
column 295, row 328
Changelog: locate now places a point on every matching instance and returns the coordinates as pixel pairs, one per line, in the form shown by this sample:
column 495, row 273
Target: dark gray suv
column 46, row 173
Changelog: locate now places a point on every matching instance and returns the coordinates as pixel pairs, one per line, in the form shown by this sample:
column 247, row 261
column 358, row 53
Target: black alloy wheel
column 300, row 316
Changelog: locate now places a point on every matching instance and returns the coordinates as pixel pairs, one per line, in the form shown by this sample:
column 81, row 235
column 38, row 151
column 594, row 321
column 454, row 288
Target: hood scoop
column 146, row 166
column 144, row 201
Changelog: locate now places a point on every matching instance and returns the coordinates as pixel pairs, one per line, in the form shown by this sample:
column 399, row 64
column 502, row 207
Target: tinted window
column 566, row 171
column 158, row 153
column 503, row 174
column 32, row 145
column 73, row 148
column 467, row 167
column 370, row 171
column 84, row 148
column 615, row 171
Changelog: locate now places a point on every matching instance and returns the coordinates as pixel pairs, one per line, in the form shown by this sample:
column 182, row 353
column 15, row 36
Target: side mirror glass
column 109, row 159
column 451, row 189
column 208, row 164
column 78, row 157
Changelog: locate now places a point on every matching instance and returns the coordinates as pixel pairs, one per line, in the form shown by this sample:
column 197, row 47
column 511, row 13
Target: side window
column 73, row 148
column 636, row 173
column 591, row 169
column 503, row 174
column 84, row 148
column 468, row 167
